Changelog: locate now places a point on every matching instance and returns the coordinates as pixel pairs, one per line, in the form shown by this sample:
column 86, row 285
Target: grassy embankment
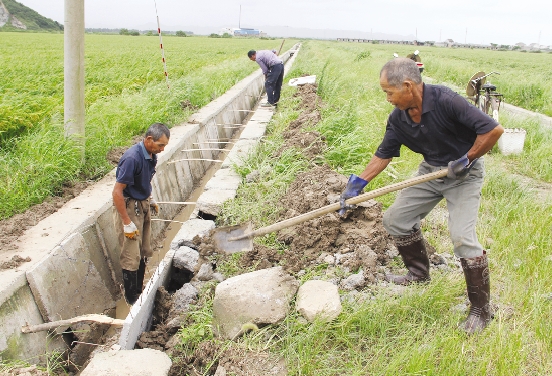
column 414, row 333
column 125, row 92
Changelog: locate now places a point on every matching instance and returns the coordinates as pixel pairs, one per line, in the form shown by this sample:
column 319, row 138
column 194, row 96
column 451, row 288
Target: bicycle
column 484, row 95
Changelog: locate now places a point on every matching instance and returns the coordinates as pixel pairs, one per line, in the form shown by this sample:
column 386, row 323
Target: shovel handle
column 352, row 201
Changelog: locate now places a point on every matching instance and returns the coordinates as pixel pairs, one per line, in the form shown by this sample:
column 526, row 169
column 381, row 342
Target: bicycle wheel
column 494, row 108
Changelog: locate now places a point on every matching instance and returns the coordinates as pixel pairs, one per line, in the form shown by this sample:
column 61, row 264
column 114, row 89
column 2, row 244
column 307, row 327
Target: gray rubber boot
column 413, row 251
column 476, row 271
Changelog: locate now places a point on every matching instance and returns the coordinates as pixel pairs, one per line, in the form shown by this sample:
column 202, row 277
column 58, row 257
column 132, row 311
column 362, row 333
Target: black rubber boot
column 476, row 271
column 140, row 275
column 130, row 283
column 414, row 254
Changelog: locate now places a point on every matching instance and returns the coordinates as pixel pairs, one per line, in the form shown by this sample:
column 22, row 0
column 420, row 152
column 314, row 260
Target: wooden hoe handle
column 352, row 201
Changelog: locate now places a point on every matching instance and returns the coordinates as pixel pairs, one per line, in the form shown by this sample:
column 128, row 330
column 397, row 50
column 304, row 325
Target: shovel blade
column 223, row 238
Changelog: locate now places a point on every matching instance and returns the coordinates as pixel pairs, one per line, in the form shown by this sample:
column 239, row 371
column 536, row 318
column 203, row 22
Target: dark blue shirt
column 447, row 130
column 136, row 169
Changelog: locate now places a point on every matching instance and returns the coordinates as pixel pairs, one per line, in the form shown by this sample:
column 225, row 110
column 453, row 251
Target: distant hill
column 17, row 17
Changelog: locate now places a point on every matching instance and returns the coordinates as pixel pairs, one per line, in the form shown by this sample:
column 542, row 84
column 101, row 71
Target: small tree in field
column 180, row 33
column 226, row 35
column 123, row 32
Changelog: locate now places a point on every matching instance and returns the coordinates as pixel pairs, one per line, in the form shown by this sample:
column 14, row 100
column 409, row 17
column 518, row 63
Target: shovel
column 239, row 238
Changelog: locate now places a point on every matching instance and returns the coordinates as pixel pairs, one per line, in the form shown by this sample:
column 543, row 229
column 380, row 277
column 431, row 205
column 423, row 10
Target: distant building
column 242, row 32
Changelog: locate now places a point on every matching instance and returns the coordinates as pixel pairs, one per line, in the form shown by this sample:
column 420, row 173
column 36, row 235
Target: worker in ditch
column 134, row 206
column 273, row 70
column 450, row 133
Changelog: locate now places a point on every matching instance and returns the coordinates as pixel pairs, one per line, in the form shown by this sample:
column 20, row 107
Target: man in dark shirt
column 134, row 205
column 273, row 69
column 449, row 133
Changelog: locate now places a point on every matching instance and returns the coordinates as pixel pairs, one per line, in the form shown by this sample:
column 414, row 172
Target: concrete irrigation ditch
column 70, row 260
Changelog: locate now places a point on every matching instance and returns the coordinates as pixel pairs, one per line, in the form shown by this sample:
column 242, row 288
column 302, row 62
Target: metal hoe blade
column 223, row 238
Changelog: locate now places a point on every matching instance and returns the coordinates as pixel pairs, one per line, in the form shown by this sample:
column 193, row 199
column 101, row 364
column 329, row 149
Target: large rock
column 318, row 298
column 183, row 297
column 142, row 362
column 261, row 297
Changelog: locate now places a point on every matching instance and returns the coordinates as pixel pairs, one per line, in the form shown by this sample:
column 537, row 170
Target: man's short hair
column 251, row 53
column 157, row 130
column 399, row 70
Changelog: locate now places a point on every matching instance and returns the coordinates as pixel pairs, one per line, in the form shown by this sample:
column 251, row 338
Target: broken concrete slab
column 142, row 362
column 66, row 284
column 189, row 230
column 211, row 201
column 261, row 297
column 318, row 299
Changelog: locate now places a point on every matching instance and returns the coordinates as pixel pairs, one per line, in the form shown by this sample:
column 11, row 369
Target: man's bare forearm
column 374, row 167
column 485, row 142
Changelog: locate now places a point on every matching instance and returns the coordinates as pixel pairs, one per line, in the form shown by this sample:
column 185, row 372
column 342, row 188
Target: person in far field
column 451, row 134
column 134, row 206
column 273, row 69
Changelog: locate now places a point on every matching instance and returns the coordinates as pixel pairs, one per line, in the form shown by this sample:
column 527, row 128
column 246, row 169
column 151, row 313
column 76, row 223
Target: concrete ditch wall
column 74, row 267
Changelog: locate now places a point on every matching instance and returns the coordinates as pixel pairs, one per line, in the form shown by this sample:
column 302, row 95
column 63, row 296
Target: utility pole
column 239, row 21
column 74, row 70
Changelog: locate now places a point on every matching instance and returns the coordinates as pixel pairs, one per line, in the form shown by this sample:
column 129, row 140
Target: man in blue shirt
column 449, row 133
column 134, row 206
column 273, row 69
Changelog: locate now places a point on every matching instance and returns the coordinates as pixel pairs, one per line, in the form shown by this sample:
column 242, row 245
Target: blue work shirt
column 136, row 169
column 266, row 59
column 447, row 130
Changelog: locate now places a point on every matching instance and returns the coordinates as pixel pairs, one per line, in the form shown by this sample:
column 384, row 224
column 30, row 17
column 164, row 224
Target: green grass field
column 125, row 93
column 414, row 333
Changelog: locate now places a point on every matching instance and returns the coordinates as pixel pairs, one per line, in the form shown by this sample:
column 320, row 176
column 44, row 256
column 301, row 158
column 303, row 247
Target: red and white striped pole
column 162, row 50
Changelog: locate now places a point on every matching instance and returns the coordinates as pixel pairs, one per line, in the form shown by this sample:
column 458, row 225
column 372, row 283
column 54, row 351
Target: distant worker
column 449, row 133
column 134, row 206
column 273, row 69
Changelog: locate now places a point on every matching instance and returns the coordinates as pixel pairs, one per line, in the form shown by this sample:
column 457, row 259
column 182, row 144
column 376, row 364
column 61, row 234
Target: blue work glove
column 460, row 168
column 354, row 188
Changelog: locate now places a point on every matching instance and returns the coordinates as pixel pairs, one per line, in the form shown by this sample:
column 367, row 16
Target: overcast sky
column 502, row 22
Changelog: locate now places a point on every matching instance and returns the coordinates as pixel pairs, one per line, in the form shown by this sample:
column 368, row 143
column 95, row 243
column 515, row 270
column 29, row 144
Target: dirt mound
column 311, row 143
column 359, row 240
column 14, row 262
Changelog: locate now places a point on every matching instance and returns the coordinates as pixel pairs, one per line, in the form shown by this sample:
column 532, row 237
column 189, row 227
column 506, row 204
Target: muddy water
column 123, row 308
